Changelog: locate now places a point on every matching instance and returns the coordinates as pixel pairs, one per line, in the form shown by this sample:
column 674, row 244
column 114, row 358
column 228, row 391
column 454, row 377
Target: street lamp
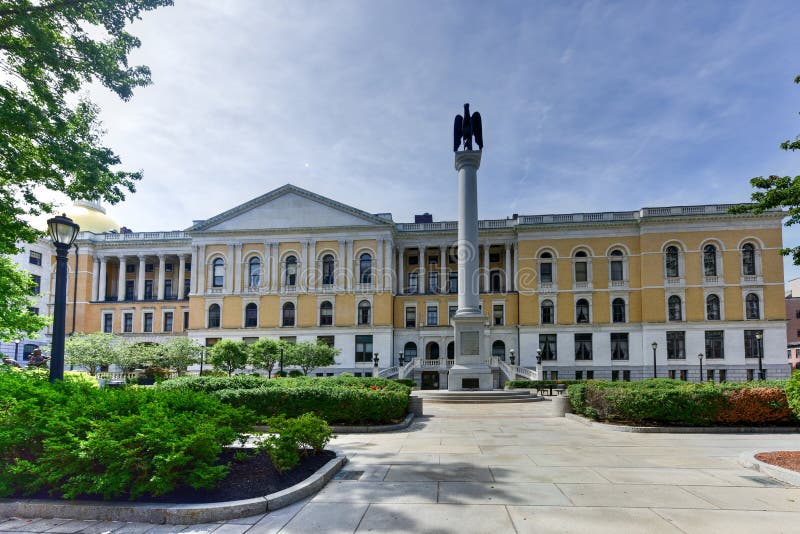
column 16, row 349
column 655, row 371
column 281, row 362
column 511, row 351
column 62, row 231
column 400, row 358
column 374, row 364
column 759, row 339
column 538, row 356
column 700, row 359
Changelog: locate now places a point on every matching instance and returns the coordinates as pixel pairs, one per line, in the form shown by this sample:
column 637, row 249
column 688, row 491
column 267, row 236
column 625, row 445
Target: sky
column 586, row 106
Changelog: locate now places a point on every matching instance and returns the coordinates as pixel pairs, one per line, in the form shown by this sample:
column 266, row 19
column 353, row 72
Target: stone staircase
column 477, row 397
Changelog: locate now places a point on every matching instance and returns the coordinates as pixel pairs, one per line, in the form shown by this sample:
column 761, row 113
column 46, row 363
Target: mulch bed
column 786, row 459
column 249, row 478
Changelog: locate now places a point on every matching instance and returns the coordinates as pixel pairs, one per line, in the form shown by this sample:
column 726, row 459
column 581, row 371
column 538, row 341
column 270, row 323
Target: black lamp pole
column 655, row 370
column 700, row 358
column 16, row 349
column 760, row 338
column 62, row 231
column 281, row 362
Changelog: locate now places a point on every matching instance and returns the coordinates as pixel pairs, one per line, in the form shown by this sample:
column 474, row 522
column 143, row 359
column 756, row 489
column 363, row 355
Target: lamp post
column 655, row 371
column 539, row 371
column 511, row 351
column 375, row 364
column 16, row 349
column 760, row 347
column 281, row 362
column 62, row 231
column 700, row 359
column 400, row 358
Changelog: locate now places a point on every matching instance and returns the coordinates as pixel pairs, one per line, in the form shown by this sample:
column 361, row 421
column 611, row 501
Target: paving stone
column 70, row 527
column 377, row 492
column 133, row 528
column 632, row 496
column 435, row 473
column 737, row 498
column 333, row 518
column 100, row 527
column 202, row 528
column 580, row 520
column 439, row 518
column 274, row 521
column 501, row 493
column 233, row 528
column 536, row 473
column 732, row 521
column 656, row 475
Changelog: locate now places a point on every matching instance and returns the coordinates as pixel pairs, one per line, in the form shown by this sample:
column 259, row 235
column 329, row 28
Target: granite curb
column 683, row 429
column 749, row 460
column 175, row 514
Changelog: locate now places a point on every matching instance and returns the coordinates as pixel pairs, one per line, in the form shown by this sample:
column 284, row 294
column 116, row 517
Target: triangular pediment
column 288, row 207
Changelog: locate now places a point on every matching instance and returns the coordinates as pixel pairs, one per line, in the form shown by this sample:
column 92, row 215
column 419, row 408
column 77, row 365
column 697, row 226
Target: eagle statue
column 465, row 128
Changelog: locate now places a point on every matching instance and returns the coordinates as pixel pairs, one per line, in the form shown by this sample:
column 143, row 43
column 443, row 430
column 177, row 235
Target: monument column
column 102, row 287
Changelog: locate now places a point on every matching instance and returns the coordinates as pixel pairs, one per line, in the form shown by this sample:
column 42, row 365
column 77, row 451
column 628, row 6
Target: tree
column 308, row 355
column 16, row 289
column 229, row 355
column 133, row 355
column 180, row 353
column 49, row 138
column 91, row 351
column 264, row 354
column 778, row 192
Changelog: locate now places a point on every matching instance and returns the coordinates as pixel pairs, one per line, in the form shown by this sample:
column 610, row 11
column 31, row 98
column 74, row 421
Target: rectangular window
column 328, row 340
column 211, row 341
column 185, row 320
column 433, row 316
column 589, row 375
column 148, row 322
column 676, row 345
column 433, row 282
column 451, row 312
column 619, row 346
column 37, row 284
column 684, row 375
column 413, row 260
column 546, row 272
column 363, row 349
column 433, row 260
column 626, row 376
column 167, row 289
column 616, row 271
column 715, row 346
column 129, row 289
column 130, row 268
column 581, row 272
column 168, row 317
column 148, row 290
column 35, row 258
column 188, row 267
column 753, row 347
column 148, row 267
column 411, row 317
column 497, row 314
column 108, row 323
column 33, row 310
column 672, row 374
column 614, row 375
column 710, row 375
column 289, row 339
column 127, row 325
column 578, row 375
column 452, row 285
column 797, row 313
column 553, row 375
column 412, row 282
column 723, row 375
column 167, row 267
column 547, row 344
column 187, row 284
column 750, row 375
column 583, row 346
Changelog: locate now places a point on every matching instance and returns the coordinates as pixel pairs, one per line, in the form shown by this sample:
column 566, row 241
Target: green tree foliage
column 778, row 192
column 180, row 353
column 16, row 289
column 307, row 355
column 92, row 350
column 264, row 354
column 229, row 355
column 49, row 139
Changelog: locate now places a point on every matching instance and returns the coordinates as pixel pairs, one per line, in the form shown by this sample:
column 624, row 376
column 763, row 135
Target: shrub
column 406, row 382
column 539, row 384
column 294, row 373
column 213, row 372
column 755, row 405
column 215, row 383
column 72, row 439
column 793, row 393
column 289, row 438
column 577, row 397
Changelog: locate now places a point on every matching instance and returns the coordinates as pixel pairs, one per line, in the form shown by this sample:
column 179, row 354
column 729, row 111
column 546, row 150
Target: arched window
column 581, row 267
column 674, row 305
column 710, row 260
column 251, row 315
column 712, row 308
column 752, row 306
column 582, row 311
column 328, row 267
column 254, row 271
column 748, row 259
column 616, row 267
column 365, row 268
column 326, row 313
column 545, row 267
column 213, row 316
column 548, row 315
column 432, row 351
column 409, row 351
column 451, row 350
column 499, row 349
column 671, row 265
column 218, row 278
column 364, row 310
column 288, row 314
column 291, row 271
column 618, row 310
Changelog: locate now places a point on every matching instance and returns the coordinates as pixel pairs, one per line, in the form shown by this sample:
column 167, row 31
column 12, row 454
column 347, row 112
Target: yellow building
column 597, row 293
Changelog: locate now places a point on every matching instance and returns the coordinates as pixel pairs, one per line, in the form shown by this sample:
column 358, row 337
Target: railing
column 674, row 281
column 406, row 369
column 390, row 371
column 619, row 283
column 711, row 280
column 134, row 236
column 530, row 374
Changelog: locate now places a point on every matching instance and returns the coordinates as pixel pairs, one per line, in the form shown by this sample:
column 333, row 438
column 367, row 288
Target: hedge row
column 539, row 384
column 345, row 380
column 664, row 401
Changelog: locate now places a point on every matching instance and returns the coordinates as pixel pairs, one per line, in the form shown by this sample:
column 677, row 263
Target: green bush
column 289, row 438
column 793, row 393
column 215, row 383
column 71, row 438
column 539, row 384
column 577, row 397
column 294, row 373
column 406, row 382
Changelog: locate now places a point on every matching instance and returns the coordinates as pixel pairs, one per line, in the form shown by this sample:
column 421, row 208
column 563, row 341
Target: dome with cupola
column 91, row 217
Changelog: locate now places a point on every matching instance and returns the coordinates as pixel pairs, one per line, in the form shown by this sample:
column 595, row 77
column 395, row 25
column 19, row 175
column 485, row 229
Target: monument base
column 470, row 377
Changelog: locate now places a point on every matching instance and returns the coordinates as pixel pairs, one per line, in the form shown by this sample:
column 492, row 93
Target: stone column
column 265, row 269
column 140, row 279
column 312, row 266
column 231, row 268
column 388, row 247
column 350, row 275
column 377, row 275
column 340, row 267
column 121, row 280
column 238, row 268
column 95, row 278
column 181, row 277
column 161, row 277
column 302, row 276
column 443, row 269
column 421, row 270
column 101, row 296
column 194, row 271
column 275, row 256
column 486, row 285
column 401, row 278
column 507, row 267
column 200, row 270
column 514, row 280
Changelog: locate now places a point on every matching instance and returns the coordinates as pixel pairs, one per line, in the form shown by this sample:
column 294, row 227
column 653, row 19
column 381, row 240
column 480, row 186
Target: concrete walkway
column 514, row 468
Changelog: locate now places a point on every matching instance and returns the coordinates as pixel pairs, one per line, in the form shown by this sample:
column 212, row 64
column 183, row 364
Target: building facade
column 596, row 293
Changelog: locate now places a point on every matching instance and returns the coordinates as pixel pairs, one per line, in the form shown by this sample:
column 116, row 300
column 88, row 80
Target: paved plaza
column 515, row 468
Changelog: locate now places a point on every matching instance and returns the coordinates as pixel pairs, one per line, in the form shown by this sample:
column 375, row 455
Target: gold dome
column 91, row 217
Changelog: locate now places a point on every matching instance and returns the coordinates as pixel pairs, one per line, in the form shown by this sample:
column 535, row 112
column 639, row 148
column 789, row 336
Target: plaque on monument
column 469, row 344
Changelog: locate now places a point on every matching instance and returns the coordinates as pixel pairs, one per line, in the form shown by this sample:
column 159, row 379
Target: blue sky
column 587, row 106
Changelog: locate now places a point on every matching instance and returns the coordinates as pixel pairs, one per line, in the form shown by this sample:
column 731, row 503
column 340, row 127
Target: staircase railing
column 389, row 371
column 529, row 374
column 407, row 368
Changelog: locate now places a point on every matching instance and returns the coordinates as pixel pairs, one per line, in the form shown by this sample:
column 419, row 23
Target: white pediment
column 292, row 208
